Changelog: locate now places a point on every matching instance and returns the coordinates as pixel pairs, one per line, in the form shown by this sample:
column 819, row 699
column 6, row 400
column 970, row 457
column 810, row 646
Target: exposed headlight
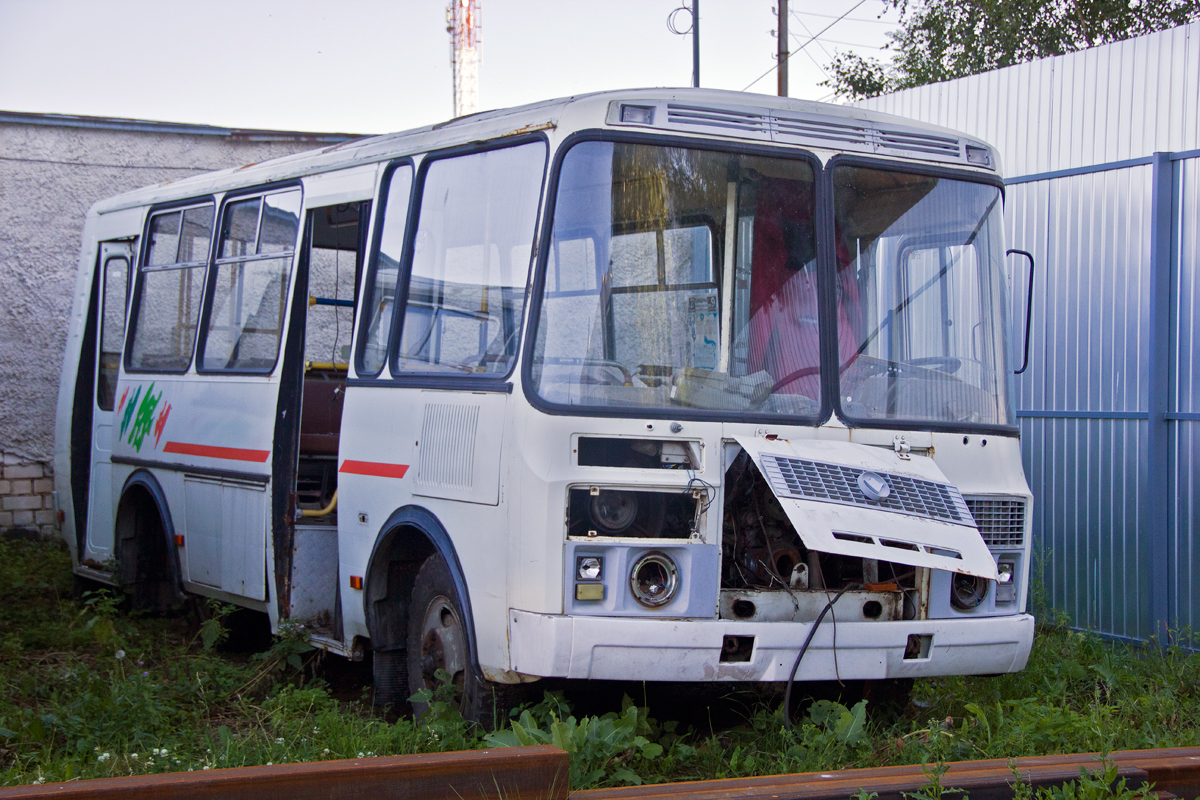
column 589, row 568
column 614, row 511
column 967, row 591
column 654, row 580
column 1004, row 572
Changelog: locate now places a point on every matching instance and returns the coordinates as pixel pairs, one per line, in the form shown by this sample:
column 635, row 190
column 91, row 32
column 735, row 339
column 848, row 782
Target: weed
column 1102, row 783
column 88, row 691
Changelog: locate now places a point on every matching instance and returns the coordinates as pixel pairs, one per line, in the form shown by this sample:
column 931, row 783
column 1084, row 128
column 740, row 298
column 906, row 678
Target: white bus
column 627, row 386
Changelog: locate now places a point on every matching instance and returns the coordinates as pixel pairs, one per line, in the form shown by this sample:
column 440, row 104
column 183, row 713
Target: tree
column 944, row 39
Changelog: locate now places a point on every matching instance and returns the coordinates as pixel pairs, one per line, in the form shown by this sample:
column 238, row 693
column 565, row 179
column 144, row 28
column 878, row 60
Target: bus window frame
column 464, row 382
column 135, row 298
column 825, row 267
column 102, row 323
column 834, row 376
column 210, row 278
column 366, row 291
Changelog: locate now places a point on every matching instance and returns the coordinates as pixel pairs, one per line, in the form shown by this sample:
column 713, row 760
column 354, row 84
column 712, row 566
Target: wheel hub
column 443, row 644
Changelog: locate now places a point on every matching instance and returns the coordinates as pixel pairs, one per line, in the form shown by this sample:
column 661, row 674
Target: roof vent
column 721, row 118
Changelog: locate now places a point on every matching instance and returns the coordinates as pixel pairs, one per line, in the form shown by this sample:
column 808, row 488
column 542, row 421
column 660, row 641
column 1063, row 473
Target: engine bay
column 769, row 575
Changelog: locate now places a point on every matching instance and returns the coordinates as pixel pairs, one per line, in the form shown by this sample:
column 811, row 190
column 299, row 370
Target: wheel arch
column 409, row 536
column 142, row 487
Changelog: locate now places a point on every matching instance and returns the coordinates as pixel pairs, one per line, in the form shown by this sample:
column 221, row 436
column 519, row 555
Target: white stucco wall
column 49, row 175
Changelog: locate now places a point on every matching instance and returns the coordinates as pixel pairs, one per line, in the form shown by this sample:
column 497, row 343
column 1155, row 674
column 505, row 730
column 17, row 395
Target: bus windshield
column 632, row 312
column 638, row 309
column 920, row 281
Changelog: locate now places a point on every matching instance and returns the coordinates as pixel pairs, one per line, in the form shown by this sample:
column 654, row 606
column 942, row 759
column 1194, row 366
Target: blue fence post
column 1157, row 503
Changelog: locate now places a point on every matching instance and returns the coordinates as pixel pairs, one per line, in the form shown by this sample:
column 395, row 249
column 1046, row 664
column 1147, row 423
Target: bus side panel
column 384, row 432
column 221, row 425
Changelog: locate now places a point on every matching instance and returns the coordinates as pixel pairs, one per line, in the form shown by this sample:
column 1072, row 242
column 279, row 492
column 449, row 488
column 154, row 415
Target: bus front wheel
column 439, row 652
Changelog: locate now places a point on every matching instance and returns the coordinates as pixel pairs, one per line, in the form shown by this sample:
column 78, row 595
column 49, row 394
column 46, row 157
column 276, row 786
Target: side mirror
column 1028, row 308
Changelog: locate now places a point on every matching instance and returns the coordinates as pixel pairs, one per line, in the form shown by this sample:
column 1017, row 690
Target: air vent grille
column 816, row 131
column 920, row 142
column 1001, row 522
column 834, row 483
column 820, row 131
column 727, row 119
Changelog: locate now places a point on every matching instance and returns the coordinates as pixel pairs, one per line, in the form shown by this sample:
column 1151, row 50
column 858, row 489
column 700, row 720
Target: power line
column 801, row 47
column 849, row 19
column 823, row 40
column 819, row 44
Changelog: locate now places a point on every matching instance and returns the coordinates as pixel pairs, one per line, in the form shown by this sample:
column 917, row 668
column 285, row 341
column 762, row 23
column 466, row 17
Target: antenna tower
column 462, row 22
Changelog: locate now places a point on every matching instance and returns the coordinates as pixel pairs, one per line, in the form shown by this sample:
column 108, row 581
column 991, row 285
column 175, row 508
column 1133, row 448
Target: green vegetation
column 939, row 40
column 87, row 690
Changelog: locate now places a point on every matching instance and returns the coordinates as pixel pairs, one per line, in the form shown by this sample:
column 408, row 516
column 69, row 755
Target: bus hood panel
column 868, row 502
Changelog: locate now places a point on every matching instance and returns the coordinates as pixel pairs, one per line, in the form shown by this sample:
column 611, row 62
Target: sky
column 373, row 66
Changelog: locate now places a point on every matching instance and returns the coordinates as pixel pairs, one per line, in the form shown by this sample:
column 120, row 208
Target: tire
column 438, row 639
column 389, row 670
column 144, row 569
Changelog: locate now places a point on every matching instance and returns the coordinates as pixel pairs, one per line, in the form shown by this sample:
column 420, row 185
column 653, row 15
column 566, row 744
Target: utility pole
column 462, row 23
column 696, row 43
column 781, row 53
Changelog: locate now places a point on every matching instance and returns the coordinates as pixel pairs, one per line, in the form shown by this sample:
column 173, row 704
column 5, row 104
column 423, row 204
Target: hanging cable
column 801, row 47
column 787, row 696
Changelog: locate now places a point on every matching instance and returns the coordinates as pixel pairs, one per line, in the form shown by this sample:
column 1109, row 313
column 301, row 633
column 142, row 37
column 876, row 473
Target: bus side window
column 250, row 283
column 471, row 256
column 381, row 294
column 167, row 303
column 112, row 330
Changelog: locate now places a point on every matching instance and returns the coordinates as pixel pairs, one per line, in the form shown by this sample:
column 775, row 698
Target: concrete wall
column 51, row 171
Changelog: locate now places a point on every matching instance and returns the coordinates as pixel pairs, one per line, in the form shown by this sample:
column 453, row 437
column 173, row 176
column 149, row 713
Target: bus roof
column 698, row 112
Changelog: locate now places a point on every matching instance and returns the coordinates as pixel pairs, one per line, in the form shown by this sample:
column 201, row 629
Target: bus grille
column 1001, row 522
column 834, row 483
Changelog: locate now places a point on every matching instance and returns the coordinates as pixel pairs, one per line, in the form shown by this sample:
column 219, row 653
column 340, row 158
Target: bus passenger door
column 334, row 242
column 115, row 261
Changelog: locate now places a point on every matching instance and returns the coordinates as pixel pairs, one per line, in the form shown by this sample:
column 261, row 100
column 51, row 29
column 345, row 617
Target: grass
column 87, row 690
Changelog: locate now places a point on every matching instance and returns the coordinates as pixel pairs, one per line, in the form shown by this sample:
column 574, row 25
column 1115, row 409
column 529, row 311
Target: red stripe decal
column 209, row 451
column 375, row 468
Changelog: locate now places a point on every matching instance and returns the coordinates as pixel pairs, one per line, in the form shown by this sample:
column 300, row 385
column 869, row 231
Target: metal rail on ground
column 534, row 773
column 528, row 773
column 1174, row 772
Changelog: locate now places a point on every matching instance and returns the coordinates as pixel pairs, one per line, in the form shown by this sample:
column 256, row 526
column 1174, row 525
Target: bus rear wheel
column 439, row 652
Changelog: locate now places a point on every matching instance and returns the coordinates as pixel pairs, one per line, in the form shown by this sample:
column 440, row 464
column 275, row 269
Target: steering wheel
column 794, row 376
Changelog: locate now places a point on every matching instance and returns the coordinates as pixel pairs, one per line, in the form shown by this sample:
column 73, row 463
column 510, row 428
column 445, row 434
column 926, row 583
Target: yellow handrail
column 324, row 512
column 338, row 365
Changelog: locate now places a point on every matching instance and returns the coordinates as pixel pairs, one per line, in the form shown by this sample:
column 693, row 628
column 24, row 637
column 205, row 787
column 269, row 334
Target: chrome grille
column 1001, row 522
column 835, row 483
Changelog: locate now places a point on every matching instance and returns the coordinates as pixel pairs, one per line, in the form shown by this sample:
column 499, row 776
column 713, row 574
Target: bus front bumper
column 614, row 648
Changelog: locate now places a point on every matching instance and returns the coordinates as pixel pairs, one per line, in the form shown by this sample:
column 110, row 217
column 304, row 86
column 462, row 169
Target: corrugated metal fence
column 1101, row 150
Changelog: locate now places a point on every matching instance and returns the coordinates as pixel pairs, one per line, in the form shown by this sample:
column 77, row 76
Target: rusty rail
column 1174, row 772
column 528, row 773
column 534, row 773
